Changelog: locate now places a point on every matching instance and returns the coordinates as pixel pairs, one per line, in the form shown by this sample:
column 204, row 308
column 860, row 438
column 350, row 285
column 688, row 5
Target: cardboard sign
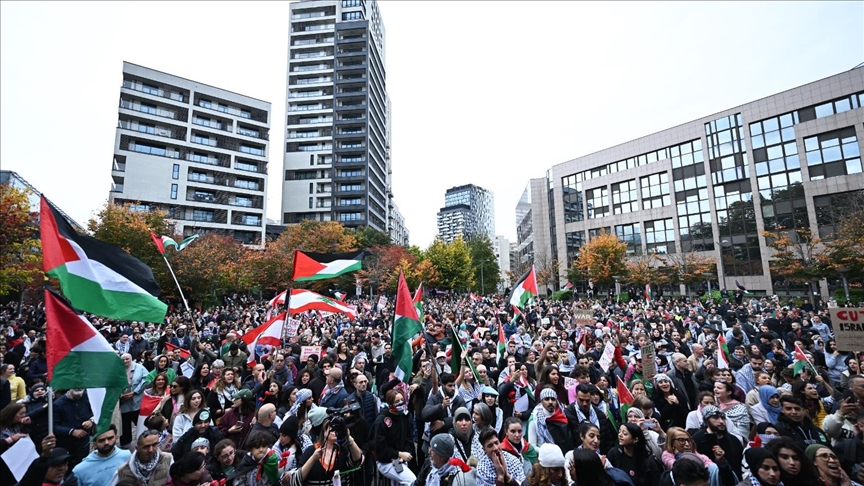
column 609, row 356
column 570, row 382
column 306, row 351
column 584, row 316
column 382, row 302
column 649, row 362
column 848, row 328
column 291, row 327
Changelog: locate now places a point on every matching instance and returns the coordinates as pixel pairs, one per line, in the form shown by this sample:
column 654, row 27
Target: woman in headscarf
column 302, row 405
column 671, row 403
column 222, row 394
column 764, row 470
column 768, row 407
column 489, row 396
column 162, row 366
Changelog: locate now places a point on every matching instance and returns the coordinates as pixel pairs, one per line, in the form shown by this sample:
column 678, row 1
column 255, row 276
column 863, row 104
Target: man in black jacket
column 441, row 406
column 200, row 428
column 794, row 422
column 713, row 435
column 581, row 410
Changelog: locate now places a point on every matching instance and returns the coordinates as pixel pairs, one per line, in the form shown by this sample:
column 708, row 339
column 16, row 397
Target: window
column 247, row 149
column 245, row 202
column 352, row 15
column 351, row 3
column 244, row 184
column 575, row 241
column 833, row 154
column 204, row 196
column 205, row 215
column 736, row 222
column 324, row 203
column 148, row 108
column 660, row 236
column 350, row 187
column 597, row 202
column 199, row 177
column 778, row 172
column 145, row 128
column 693, row 208
column 655, row 191
column 687, row 153
column 246, row 166
column 203, row 140
column 174, row 191
column 175, row 172
column 153, row 90
column 245, row 113
column 630, row 234
column 151, row 149
column 351, row 173
column 832, row 210
column 203, row 158
column 624, row 198
column 351, row 202
column 251, row 133
column 250, row 220
column 573, row 199
column 350, row 216
column 595, row 232
column 205, row 103
column 139, row 208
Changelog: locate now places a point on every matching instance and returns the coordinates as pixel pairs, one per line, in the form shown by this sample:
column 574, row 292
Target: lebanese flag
column 267, row 334
column 406, row 326
column 303, row 300
column 148, row 406
column 183, row 353
column 97, row 277
column 524, row 290
column 79, row 357
column 473, row 297
column 319, row 266
column 418, row 301
column 279, row 299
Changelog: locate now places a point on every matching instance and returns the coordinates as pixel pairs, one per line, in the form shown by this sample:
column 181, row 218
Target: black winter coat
column 608, row 434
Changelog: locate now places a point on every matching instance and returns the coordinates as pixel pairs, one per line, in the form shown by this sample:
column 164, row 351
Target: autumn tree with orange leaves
column 798, row 256
column 602, row 258
column 211, row 266
column 645, row 269
column 686, row 268
column 20, row 255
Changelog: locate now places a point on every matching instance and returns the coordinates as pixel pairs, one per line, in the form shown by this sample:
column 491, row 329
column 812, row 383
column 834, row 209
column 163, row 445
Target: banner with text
column 848, row 328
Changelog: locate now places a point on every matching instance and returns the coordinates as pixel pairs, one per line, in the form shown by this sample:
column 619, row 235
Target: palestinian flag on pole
column 148, row 406
column 648, row 293
column 625, row 399
column 185, row 354
column 279, row 299
column 522, row 383
column 267, row 334
column 800, row 362
column 163, row 242
column 319, row 266
column 457, row 354
column 568, row 285
column 502, row 343
column 340, row 295
column 418, row 301
column 79, row 357
column 406, row 325
column 525, row 289
column 97, row 277
column 302, row 300
column 722, row 353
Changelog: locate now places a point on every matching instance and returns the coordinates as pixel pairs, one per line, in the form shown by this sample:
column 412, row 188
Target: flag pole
column 185, row 304
column 50, row 410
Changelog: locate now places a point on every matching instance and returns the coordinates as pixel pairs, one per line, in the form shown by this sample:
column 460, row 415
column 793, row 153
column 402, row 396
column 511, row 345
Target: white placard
column 608, row 356
column 19, row 457
column 187, row 369
column 521, row 405
column 291, row 327
column 848, row 328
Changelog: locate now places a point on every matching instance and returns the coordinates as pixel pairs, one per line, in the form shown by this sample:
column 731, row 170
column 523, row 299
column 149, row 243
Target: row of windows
column 624, row 198
column 597, row 201
column 655, row 191
column 833, row 154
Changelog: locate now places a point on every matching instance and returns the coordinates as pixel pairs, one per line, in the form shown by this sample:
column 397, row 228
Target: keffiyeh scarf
column 542, row 417
column 592, row 417
column 329, row 392
column 141, row 470
column 435, row 475
column 302, row 396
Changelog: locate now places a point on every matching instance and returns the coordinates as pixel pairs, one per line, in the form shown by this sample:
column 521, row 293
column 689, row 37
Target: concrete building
column 396, row 223
column 713, row 185
column 196, row 151
column 468, row 211
column 337, row 155
column 13, row 179
column 501, row 248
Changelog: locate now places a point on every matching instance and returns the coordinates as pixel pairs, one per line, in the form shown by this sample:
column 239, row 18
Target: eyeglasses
column 827, row 457
column 682, row 440
column 227, row 455
column 175, row 385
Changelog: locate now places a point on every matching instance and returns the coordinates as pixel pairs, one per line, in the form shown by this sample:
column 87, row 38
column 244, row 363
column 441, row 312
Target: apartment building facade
column 337, row 152
column 713, row 185
column 196, row 151
column 468, row 211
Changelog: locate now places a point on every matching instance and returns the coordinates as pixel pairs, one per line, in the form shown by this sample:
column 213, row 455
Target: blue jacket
column 335, row 401
column 69, row 415
column 37, row 369
column 97, row 471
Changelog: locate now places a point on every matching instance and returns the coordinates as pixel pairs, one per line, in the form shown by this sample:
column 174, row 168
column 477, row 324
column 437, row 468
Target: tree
column 212, row 264
column 128, row 230
column 686, row 268
column 643, row 270
column 798, row 256
column 368, row 237
column 20, row 247
column 379, row 264
column 546, row 269
column 486, row 268
column 453, row 263
column 846, row 250
column 602, row 258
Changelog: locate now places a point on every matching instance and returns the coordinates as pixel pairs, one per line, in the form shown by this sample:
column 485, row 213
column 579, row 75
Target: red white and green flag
column 722, row 353
column 184, row 353
column 800, row 361
column 79, row 357
column 97, row 277
column 340, row 295
column 148, row 406
column 568, row 286
column 302, row 300
column 502, row 343
column 320, row 266
column 524, row 290
column 267, row 334
column 625, row 398
column 406, row 326
column 278, row 300
column 647, row 292
column 418, row 301
column 473, row 297
column 163, row 242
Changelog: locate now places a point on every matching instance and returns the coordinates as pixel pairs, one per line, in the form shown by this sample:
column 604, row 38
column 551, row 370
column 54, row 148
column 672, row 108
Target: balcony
column 309, row 107
column 314, row 28
column 213, row 124
column 143, row 88
column 149, row 110
column 119, row 164
column 248, row 132
column 206, row 179
column 312, row 42
column 248, row 185
column 202, row 197
column 308, row 94
column 245, row 219
column 312, row 15
column 313, row 121
column 312, row 55
column 318, row 80
column 116, row 187
column 222, row 161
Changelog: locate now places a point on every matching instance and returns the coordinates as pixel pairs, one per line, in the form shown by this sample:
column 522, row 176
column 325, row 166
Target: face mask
column 400, row 407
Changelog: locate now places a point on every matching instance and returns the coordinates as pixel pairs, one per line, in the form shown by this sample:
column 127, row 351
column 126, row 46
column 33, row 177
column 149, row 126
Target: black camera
column 343, row 419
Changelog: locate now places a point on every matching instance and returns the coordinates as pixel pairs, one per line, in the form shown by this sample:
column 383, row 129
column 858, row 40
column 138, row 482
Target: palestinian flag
column 267, row 334
column 522, row 384
column 278, row 300
column 648, row 293
column 319, row 266
column 456, row 355
column 340, row 295
column 148, row 406
column 525, row 289
column 302, row 300
column 182, row 352
column 79, row 357
column 625, row 399
column 473, row 297
column 568, row 286
column 406, row 326
column 418, row 301
column 97, row 277
column 721, row 342
column 722, row 353
column 163, row 242
column 801, row 362
column 502, row 343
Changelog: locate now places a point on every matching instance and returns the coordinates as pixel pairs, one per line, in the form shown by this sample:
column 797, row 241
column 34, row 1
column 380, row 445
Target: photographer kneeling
column 334, row 453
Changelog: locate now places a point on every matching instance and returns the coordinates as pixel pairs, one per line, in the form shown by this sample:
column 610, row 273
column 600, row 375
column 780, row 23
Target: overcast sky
column 490, row 93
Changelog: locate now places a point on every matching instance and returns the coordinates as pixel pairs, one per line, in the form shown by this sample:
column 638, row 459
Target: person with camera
column 335, row 453
column 391, row 440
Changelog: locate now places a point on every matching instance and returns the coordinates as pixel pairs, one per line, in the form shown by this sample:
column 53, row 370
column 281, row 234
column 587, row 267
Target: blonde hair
column 671, row 436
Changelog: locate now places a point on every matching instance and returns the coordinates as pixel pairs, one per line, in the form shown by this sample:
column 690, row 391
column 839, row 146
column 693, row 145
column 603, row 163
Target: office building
column 501, row 249
column 713, row 185
column 337, row 155
column 468, row 211
column 398, row 231
column 193, row 150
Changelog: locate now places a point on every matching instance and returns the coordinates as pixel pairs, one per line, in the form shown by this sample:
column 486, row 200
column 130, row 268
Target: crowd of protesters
column 547, row 405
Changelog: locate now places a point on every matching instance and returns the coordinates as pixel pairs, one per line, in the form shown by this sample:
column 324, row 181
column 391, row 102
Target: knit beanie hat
column 203, row 415
column 317, row 415
column 663, row 377
column 443, row 445
column 290, row 427
column 461, row 411
column 200, row 442
column 550, row 455
column 811, row 451
column 548, row 393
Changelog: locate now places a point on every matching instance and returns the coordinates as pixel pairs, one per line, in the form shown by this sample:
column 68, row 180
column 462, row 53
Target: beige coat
column 158, row 477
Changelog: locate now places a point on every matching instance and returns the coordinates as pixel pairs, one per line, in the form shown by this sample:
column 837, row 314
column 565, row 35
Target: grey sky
column 490, row 93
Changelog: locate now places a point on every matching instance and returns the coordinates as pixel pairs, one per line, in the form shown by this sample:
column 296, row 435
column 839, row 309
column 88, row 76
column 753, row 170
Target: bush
column 562, row 295
column 716, row 296
column 855, row 295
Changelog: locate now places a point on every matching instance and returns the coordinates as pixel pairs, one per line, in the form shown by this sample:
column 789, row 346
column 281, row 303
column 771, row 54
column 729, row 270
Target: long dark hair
column 807, row 474
column 589, row 468
column 188, row 463
column 640, row 448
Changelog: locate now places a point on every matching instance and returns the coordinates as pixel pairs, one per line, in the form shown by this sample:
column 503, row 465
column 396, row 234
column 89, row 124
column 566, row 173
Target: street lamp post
column 708, row 276
column 482, row 280
column 723, row 245
column 842, row 271
column 617, row 288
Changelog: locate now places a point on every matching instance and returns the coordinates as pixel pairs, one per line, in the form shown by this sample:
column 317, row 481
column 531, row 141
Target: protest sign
column 649, row 362
column 848, row 328
column 187, row 370
column 609, row 356
column 570, row 382
column 584, row 317
column 291, row 327
column 306, row 351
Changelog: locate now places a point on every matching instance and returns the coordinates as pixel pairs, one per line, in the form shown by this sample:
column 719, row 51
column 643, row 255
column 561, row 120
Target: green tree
column 127, row 229
column 368, row 237
column 20, row 247
column 798, row 256
column 212, row 266
column 486, row 268
column 453, row 263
